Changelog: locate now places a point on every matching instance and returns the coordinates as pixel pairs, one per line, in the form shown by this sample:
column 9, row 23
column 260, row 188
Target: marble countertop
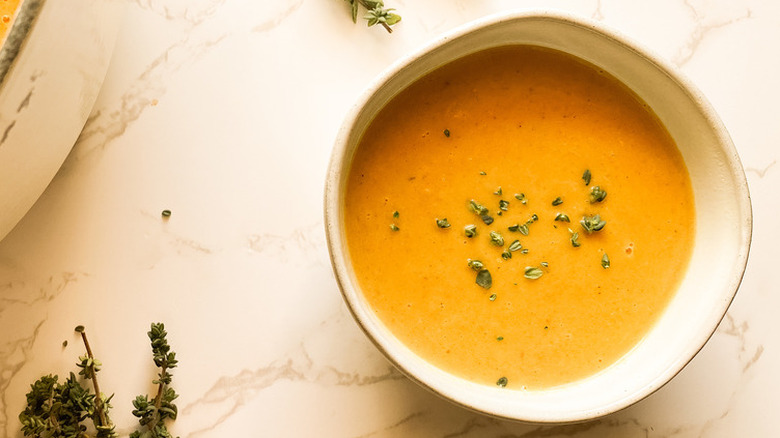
column 224, row 112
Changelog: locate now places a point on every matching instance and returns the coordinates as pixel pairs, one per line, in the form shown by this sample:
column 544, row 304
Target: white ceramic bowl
column 723, row 219
column 52, row 67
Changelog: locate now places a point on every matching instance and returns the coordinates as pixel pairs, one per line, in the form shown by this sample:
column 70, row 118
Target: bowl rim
column 333, row 209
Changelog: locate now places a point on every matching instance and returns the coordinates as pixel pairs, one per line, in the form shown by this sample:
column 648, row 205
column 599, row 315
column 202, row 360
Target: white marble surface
column 224, row 112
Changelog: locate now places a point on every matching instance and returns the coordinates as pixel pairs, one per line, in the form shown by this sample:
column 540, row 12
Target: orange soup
column 518, row 217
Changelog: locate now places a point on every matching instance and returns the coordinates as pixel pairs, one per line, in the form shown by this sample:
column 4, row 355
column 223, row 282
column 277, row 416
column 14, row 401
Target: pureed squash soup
column 518, row 217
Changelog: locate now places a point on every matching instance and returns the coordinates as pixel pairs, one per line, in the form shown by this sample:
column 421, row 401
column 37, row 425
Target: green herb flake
column 484, row 279
column 166, row 213
column 515, row 246
column 496, row 238
column 470, row 230
column 447, row 133
column 597, row 194
column 500, row 338
column 493, row 297
column 498, row 191
column 483, row 173
column 574, row 238
column 532, row 273
column 586, row 177
column 396, row 214
column 476, row 265
column 442, row 223
column 524, row 251
column 394, row 227
column 544, row 264
column 521, row 197
column 503, row 205
column 506, row 255
column 605, row 261
column 487, row 219
column 478, row 208
column 502, row 382
column 592, row 223
column 523, row 229
column 560, row 217
column 557, row 201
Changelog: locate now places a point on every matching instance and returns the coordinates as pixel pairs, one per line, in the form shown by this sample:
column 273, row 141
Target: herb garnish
column 500, row 338
column 586, row 177
column 166, row 213
column 476, row 265
column 503, row 205
column 557, row 201
column 478, row 208
column 57, row 410
column 605, row 261
column 447, row 133
column 521, row 197
column 498, row 191
column 396, row 214
column 562, row 217
column 394, row 227
column 502, row 382
column 532, row 273
column 574, row 236
column 153, row 413
column 442, row 223
column 470, row 230
column 515, row 246
column 376, row 14
column 597, row 194
column 496, row 238
column 544, row 264
column 484, row 279
column 492, row 297
column 592, row 223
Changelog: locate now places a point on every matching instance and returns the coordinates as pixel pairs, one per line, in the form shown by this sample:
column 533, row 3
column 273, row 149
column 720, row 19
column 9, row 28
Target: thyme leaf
column 597, row 194
column 484, row 279
column 592, row 223
column 532, row 273
column 586, row 177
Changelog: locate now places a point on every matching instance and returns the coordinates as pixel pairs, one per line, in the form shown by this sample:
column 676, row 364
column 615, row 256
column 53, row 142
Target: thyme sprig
column 153, row 413
column 376, row 13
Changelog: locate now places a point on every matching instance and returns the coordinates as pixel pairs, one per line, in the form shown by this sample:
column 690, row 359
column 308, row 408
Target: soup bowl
column 721, row 197
column 52, row 65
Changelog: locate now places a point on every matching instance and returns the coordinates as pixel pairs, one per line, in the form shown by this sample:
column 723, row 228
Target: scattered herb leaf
column 447, row 133
column 502, row 382
column 442, row 223
column 562, row 217
column 532, row 273
column 166, row 213
column 605, row 261
column 396, row 214
column 498, row 191
column 478, row 208
column 476, row 265
column 597, row 194
column 493, row 297
column 586, row 177
column 515, row 246
column 500, row 338
column 496, row 238
column 484, row 279
column 503, row 205
column 544, row 264
column 394, row 227
column 574, row 236
column 487, row 219
column 592, row 223
column 521, row 197
column 470, row 230
column 557, row 201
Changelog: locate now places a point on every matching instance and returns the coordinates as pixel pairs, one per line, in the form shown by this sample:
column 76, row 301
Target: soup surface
column 529, row 144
